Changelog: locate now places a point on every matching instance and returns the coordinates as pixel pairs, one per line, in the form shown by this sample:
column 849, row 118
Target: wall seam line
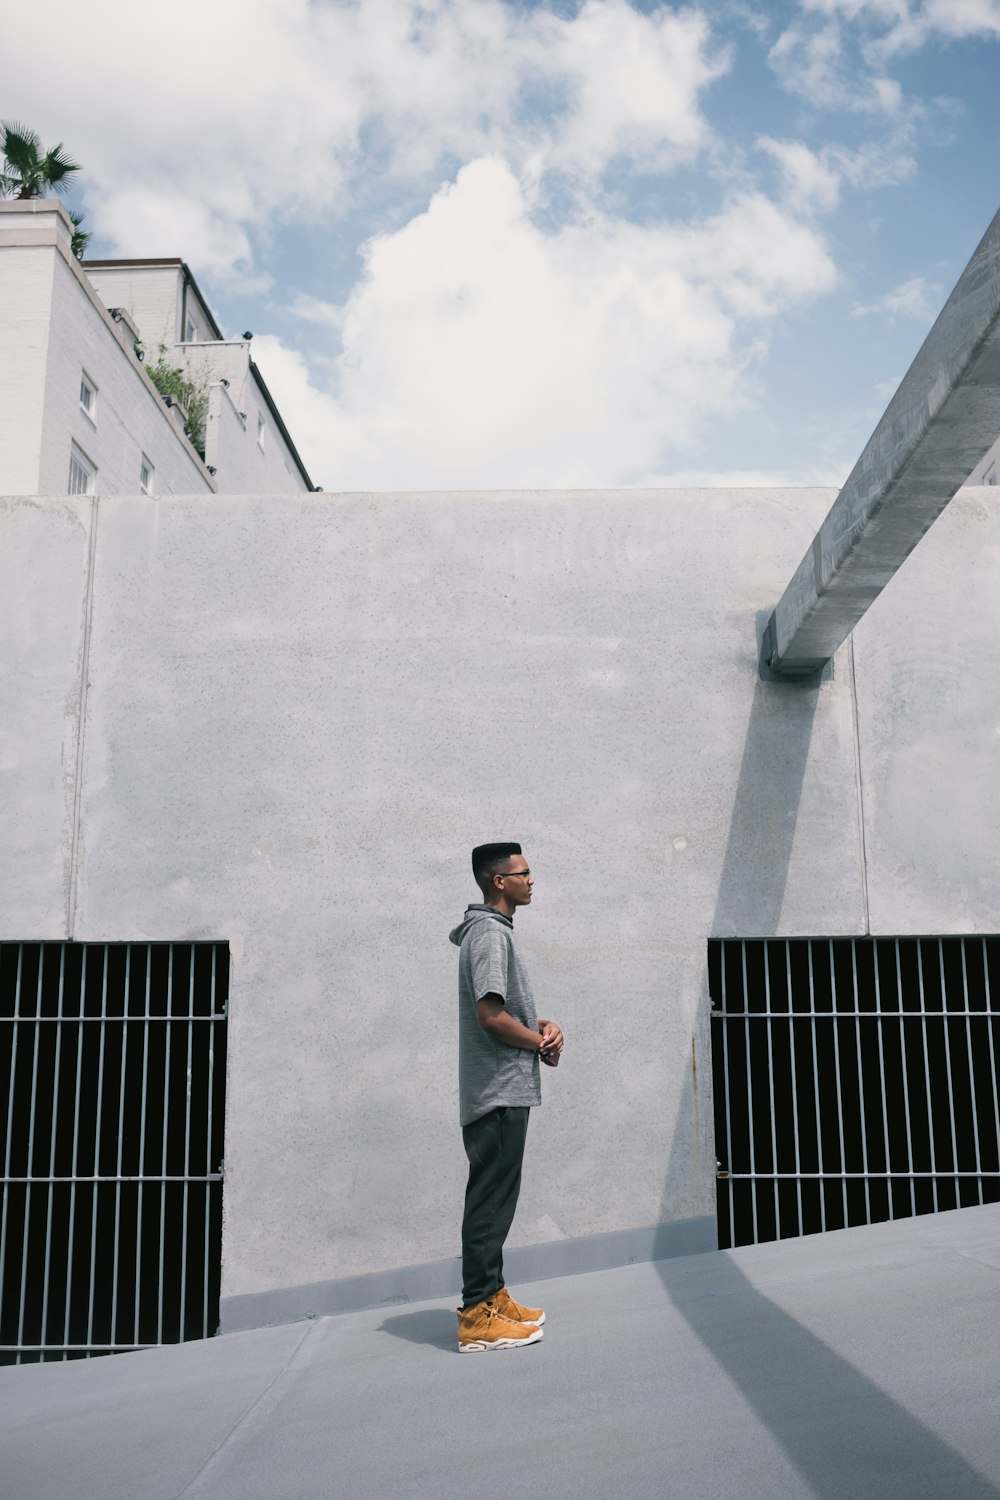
column 88, row 618
column 856, row 716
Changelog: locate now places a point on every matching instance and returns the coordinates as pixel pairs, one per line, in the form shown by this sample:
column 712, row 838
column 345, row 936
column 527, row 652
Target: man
column 501, row 1042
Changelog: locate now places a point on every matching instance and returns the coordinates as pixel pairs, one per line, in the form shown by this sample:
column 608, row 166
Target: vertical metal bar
column 770, row 1089
column 115, row 1267
column 208, row 1138
column 881, row 1077
column 187, row 1143
column 972, row 1071
column 905, row 1068
column 927, row 1072
column 142, row 1144
column 15, row 1028
column 795, row 1086
column 168, row 1040
column 729, row 1137
column 815, row 1063
column 746, row 1030
column 31, row 1152
column 50, row 1185
column 861, row 1081
column 995, row 1116
column 836, row 1065
column 97, row 1148
column 948, row 1079
column 81, row 1032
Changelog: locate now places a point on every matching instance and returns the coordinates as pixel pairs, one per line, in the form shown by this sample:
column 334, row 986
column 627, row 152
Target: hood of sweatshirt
column 477, row 912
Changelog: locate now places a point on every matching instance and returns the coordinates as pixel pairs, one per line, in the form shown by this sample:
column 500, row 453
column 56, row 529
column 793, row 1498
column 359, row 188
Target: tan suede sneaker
column 481, row 1328
column 515, row 1313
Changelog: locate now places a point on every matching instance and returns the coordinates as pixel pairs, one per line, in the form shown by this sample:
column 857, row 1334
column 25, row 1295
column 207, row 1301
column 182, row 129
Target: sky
column 494, row 244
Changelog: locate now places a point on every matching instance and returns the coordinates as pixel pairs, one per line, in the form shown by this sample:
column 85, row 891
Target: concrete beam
column 942, row 420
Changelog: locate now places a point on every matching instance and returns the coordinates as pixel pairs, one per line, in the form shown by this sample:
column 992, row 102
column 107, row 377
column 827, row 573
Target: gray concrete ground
column 862, row 1363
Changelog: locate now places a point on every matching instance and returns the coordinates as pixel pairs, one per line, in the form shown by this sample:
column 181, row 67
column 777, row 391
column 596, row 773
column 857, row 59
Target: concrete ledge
column 443, row 1278
column 935, row 431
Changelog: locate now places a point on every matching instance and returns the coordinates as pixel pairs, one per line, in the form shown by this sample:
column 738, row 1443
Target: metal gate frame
column 912, row 1107
column 154, row 1183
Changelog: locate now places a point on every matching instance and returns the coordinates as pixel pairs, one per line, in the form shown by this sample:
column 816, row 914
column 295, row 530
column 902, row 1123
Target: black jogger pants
column 494, row 1145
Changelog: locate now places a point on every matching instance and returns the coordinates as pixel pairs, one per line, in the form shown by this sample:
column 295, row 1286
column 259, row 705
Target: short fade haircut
column 488, row 860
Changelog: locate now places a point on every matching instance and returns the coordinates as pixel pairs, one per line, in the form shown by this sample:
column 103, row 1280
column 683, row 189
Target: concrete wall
column 302, row 713
column 929, row 724
column 44, row 571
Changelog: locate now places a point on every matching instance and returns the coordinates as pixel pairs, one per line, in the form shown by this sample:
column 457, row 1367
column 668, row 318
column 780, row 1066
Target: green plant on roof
column 191, row 394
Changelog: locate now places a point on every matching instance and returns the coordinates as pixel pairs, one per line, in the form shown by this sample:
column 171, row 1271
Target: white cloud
column 478, row 350
column 900, row 25
column 810, row 181
column 917, row 298
column 810, row 58
column 210, row 237
column 476, row 342
column 318, row 312
column 634, row 82
column 206, row 122
column 876, row 164
column 836, row 53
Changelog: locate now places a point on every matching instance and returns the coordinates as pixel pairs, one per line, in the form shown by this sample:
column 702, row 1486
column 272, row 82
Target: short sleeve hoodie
column 490, row 1073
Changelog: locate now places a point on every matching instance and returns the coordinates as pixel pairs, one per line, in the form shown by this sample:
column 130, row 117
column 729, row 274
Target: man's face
column 516, row 882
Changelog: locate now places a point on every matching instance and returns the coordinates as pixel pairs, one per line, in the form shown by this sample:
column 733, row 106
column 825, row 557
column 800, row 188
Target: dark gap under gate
column 855, row 1080
column 112, row 1109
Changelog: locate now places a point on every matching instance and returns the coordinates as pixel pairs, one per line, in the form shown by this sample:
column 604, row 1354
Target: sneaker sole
column 481, row 1347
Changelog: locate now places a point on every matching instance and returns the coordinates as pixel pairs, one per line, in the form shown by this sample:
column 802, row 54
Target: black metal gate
column 855, row 1080
column 112, row 1094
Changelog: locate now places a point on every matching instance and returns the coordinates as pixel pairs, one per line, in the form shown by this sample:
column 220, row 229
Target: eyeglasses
column 510, row 874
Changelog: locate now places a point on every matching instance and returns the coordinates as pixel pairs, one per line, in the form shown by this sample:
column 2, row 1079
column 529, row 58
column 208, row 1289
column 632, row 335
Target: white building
column 78, row 410
column 247, row 445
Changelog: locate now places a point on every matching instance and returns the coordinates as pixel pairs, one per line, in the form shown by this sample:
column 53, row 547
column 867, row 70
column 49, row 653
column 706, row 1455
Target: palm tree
column 27, row 170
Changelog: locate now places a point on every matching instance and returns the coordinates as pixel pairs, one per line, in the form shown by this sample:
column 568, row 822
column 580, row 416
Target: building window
column 261, row 432
column 88, row 396
column 82, row 473
column 146, row 476
column 190, row 332
column 990, row 477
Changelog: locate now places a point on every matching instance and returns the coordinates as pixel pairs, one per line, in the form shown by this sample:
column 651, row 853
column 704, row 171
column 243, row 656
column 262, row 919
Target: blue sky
column 488, row 245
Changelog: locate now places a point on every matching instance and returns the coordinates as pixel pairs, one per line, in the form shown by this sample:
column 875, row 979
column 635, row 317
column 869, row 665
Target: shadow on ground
column 434, row 1326
column 831, row 1420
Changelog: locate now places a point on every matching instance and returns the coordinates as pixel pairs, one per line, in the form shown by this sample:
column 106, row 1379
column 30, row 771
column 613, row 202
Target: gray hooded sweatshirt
column 490, row 1073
